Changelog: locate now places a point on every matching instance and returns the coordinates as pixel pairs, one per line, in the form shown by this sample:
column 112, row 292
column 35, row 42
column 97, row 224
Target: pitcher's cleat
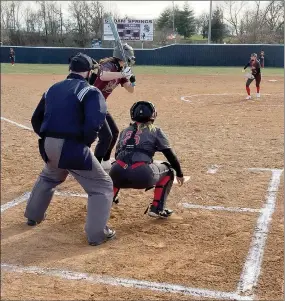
column 257, row 95
column 248, row 97
column 106, row 165
column 109, row 235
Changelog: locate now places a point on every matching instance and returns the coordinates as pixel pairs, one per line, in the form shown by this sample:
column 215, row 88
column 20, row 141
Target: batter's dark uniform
column 109, row 131
column 255, row 71
column 134, row 166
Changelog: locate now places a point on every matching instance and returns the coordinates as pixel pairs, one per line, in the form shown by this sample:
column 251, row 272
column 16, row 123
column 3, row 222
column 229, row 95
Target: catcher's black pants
column 141, row 175
column 110, row 132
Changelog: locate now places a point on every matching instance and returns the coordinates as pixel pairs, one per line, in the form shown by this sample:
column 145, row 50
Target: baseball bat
column 117, row 38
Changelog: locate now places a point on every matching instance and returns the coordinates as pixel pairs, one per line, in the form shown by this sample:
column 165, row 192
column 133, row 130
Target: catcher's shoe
column 109, row 235
column 153, row 212
column 257, row 95
column 248, row 97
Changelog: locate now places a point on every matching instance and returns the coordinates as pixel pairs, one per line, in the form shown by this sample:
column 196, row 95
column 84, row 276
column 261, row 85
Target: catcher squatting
column 72, row 114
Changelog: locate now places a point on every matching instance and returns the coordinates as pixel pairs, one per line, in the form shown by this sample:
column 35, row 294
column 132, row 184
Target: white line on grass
column 130, row 283
column 249, row 277
column 219, row 208
column 17, row 124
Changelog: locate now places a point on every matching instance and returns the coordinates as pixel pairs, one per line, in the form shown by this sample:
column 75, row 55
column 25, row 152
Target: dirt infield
column 217, row 137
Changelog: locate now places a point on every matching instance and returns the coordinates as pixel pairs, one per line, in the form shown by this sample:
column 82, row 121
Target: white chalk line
column 17, row 124
column 219, row 208
column 251, row 270
column 24, row 197
column 123, row 282
column 189, row 99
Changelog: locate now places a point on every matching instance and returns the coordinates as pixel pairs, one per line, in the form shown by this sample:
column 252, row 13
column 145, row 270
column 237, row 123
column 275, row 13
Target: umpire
column 67, row 119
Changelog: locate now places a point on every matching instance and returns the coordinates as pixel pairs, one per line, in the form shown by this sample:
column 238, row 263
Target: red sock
column 257, row 89
column 248, row 90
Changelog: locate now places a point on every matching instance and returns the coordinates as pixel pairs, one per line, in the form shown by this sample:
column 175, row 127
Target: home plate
column 272, row 80
column 186, row 179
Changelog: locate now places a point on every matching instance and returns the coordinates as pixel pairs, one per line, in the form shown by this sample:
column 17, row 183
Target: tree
column 218, row 26
column 203, row 24
column 184, row 21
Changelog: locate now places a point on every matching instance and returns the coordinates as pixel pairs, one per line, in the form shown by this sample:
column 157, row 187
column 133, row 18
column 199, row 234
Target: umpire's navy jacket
column 74, row 111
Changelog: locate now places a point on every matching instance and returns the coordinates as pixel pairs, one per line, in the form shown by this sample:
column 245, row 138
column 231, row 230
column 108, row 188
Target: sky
column 149, row 9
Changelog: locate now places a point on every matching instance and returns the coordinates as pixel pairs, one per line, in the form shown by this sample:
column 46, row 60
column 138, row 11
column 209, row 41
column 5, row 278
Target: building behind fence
column 172, row 55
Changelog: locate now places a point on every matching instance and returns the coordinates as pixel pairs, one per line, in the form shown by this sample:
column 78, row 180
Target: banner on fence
column 130, row 30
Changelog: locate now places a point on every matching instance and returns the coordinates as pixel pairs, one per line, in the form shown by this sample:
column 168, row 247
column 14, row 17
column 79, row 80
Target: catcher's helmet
column 253, row 55
column 129, row 53
column 143, row 111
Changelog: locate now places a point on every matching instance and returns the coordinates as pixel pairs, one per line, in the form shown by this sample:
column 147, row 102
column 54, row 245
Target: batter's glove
column 127, row 72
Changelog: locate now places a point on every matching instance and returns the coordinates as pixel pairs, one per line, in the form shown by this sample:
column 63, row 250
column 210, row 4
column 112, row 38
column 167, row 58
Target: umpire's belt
column 133, row 166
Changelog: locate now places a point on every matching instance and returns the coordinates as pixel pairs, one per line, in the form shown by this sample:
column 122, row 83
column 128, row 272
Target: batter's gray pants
column 96, row 183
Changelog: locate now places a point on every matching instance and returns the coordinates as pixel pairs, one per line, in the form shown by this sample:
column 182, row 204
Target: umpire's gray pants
column 96, row 183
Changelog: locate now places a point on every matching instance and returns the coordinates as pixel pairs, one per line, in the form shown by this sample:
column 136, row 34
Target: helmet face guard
column 143, row 111
column 129, row 54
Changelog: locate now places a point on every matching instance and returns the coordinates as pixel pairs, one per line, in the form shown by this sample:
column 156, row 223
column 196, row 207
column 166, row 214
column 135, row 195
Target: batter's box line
column 252, row 267
column 24, row 197
column 124, row 282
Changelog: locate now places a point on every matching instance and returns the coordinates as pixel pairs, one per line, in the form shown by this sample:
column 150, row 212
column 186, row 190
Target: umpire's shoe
column 31, row 222
column 109, row 235
column 154, row 212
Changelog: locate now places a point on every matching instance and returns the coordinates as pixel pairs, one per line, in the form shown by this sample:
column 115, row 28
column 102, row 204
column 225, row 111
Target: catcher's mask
column 129, row 53
column 143, row 111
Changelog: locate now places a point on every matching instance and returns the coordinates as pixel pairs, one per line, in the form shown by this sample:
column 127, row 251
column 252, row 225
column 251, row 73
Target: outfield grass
column 63, row 69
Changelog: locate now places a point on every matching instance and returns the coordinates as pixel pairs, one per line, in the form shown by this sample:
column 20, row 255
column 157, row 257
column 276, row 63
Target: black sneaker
column 32, row 223
column 165, row 213
column 109, row 235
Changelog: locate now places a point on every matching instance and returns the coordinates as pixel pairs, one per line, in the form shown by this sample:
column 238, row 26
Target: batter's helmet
column 129, row 53
column 143, row 111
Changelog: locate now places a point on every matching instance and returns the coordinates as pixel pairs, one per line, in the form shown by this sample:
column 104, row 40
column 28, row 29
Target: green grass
column 63, row 69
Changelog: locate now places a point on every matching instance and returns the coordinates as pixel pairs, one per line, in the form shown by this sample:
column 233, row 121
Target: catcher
column 134, row 166
column 111, row 73
column 255, row 74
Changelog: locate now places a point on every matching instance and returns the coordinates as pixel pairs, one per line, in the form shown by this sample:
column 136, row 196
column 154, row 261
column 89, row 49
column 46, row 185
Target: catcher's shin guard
column 116, row 193
column 161, row 191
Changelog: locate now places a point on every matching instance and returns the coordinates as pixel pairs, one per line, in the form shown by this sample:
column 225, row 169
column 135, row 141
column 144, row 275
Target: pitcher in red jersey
column 112, row 73
column 255, row 74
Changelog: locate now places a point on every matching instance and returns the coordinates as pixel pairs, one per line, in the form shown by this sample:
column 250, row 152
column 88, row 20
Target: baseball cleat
column 165, row 213
column 248, row 97
column 257, row 95
column 109, row 235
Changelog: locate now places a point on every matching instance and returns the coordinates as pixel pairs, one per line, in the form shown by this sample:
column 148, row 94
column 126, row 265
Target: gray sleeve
column 161, row 140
